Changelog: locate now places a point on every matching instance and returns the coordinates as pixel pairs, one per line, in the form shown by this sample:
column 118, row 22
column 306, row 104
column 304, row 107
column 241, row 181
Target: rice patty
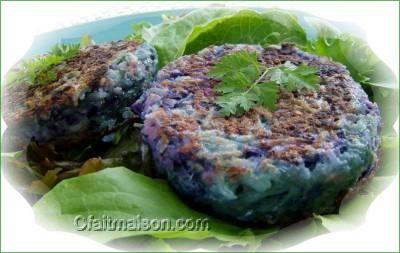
column 266, row 166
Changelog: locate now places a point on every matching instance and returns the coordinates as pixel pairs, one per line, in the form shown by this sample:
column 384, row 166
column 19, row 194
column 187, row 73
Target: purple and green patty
column 264, row 166
column 89, row 98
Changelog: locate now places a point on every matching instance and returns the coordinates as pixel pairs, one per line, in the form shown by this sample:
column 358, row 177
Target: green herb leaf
column 292, row 77
column 65, row 51
column 239, row 62
column 234, row 103
column 245, row 83
column 41, row 70
column 267, row 93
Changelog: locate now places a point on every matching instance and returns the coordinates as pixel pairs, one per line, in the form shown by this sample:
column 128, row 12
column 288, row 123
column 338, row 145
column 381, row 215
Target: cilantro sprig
column 246, row 83
column 40, row 70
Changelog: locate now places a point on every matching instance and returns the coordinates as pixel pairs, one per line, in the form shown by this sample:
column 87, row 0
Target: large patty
column 90, row 97
column 265, row 166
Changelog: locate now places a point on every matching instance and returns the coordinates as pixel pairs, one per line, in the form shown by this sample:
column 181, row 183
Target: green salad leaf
column 349, row 50
column 245, row 83
column 138, row 30
column 249, row 27
column 169, row 37
column 120, row 193
column 201, row 28
column 365, row 67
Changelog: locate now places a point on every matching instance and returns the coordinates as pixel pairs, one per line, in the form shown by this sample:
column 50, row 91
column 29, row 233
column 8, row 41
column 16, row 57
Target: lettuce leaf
column 169, row 37
column 120, row 193
column 351, row 51
column 365, row 67
column 201, row 28
column 249, row 27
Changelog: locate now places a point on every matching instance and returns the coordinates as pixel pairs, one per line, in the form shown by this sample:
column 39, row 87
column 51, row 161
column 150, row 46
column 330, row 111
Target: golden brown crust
column 302, row 120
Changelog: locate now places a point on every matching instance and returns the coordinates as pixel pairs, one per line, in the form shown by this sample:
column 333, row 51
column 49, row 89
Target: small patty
column 265, row 166
column 90, row 97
